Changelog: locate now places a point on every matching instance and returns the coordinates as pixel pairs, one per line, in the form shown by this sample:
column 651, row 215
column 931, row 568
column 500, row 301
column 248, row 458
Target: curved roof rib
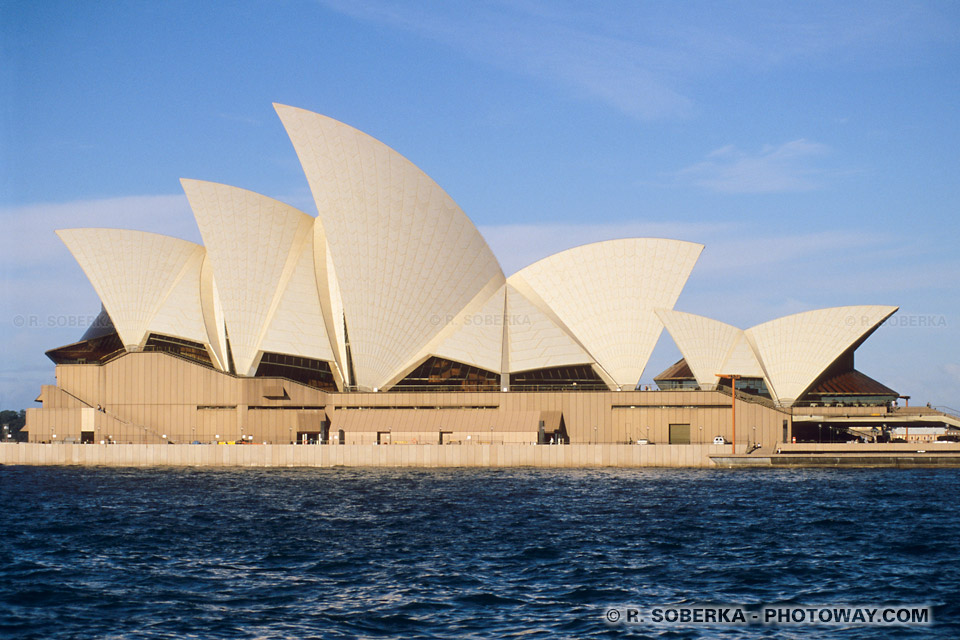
column 403, row 251
column 476, row 336
column 534, row 339
column 710, row 347
column 259, row 249
column 605, row 295
column 297, row 327
column 795, row 350
column 145, row 281
column 181, row 313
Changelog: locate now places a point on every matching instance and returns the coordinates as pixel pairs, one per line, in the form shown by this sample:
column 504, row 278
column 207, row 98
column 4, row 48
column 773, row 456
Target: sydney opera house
column 388, row 319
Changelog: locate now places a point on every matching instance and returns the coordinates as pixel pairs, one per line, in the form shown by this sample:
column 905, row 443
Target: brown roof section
column 851, row 383
column 551, row 420
column 678, row 371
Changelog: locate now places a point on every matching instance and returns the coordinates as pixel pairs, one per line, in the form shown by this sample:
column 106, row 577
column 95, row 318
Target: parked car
column 719, row 440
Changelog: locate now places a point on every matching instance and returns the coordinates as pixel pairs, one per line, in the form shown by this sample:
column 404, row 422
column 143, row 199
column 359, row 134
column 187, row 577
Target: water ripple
column 506, row 553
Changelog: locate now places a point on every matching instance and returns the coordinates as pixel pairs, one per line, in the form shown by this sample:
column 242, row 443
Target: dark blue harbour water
column 345, row 553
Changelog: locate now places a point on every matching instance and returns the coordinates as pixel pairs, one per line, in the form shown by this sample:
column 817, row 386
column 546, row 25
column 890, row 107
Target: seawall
column 363, row 455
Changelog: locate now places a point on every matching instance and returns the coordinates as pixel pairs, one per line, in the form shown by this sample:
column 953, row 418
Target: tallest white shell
column 407, row 258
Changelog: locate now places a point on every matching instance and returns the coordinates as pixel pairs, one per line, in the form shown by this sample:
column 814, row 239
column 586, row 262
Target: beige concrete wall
column 148, row 395
column 558, row 456
column 861, row 447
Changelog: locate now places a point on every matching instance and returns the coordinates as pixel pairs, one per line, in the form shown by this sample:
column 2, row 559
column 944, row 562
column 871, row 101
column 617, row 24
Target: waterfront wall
column 868, row 447
column 361, row 455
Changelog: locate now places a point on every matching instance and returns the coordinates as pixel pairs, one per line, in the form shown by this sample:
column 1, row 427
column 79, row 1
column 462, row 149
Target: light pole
column 700, row 441
column 595, row 435
column 733, row 406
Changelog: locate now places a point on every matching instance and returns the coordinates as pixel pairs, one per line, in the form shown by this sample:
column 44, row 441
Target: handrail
column 754, row 399
column 949, row 411
column 114, row 416
column 153, row 349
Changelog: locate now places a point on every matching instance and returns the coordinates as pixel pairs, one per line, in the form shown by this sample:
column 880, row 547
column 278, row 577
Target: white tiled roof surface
column 395, row 264
column 796, row 349
column 705, row 343
column 535, row 339
column 403, row 250
column 255, row 244
column 135, row 273
column 606, row 294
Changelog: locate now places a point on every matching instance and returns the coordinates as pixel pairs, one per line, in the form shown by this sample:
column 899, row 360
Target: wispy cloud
column 34, row 225
column 773, row 169
column 745, row 276
column 952, row 370
column 518, row 245
column 549, row 44
column 818, row 268
column 645, row 60
column 748, row 275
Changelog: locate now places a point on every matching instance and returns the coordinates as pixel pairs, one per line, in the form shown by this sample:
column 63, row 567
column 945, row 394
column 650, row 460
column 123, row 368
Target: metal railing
column 99, row 408
column 754, row 399
column 949, row 411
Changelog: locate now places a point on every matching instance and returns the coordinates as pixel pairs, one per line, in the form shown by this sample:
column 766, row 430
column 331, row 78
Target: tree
column 13, row 420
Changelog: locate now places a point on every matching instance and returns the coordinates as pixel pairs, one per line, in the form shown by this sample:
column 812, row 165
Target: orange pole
column 733, row 410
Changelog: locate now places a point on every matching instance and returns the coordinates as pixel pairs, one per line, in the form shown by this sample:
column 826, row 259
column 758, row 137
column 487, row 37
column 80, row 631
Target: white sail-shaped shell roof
column 789, row 353
column 256, row 247
column 392, row 272
column 606, row 294
column 706, row 345
column 476, row 336
column 535, row 339
column 297, row 326
column 796, row 349
column 742, row 360
column 403, row 250
column 181, row 313
column 146, row 281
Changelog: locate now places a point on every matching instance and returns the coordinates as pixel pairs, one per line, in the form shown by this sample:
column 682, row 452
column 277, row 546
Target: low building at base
column 156, row 396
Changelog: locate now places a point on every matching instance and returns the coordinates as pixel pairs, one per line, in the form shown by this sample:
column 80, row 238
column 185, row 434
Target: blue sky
column 814, row 148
